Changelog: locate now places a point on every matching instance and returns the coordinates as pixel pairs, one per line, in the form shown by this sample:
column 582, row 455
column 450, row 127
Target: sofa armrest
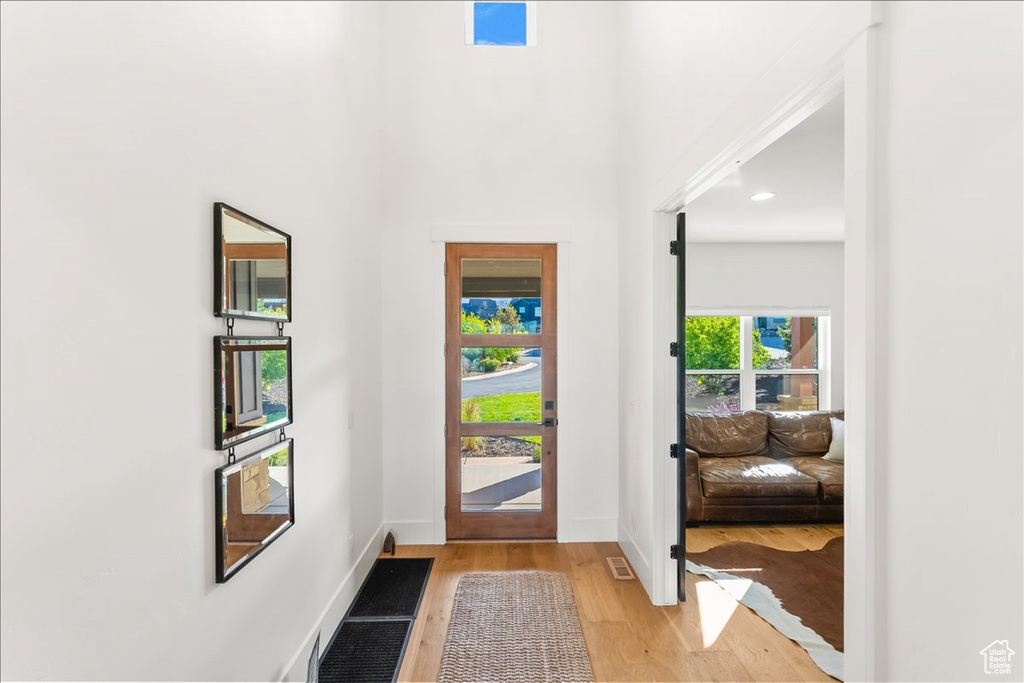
column 694, row 497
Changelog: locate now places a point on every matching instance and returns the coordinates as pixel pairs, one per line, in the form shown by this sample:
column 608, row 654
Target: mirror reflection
column 252, row 387
column 254, row 505
column 253, row 267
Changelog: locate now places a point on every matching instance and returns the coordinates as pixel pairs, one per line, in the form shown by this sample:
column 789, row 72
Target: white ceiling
column 804, row 168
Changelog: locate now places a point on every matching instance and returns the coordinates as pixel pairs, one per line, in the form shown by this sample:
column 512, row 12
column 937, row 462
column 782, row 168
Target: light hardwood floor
column 709, row 638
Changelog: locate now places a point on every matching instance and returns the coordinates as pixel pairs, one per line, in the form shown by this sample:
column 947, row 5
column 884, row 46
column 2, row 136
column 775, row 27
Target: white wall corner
column 336, row 608
column 594, row 530
column 439, row 524
column 641, row 566
column 417, row 531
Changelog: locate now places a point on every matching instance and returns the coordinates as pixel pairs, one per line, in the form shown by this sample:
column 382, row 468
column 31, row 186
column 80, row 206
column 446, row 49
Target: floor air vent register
column 620, row 568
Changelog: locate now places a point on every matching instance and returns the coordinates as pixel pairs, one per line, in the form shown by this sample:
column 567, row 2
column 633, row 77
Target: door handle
column 550, row 422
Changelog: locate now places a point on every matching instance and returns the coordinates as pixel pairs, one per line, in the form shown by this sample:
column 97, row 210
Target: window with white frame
column 763, row 362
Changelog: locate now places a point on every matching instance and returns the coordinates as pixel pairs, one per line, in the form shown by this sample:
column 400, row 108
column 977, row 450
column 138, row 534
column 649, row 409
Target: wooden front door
column 501, row 419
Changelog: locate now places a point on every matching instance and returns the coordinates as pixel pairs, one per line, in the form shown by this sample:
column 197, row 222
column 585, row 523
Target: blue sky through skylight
column 499, row 23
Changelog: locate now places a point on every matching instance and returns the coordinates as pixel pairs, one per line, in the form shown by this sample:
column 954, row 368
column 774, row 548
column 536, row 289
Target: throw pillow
column 837, row 449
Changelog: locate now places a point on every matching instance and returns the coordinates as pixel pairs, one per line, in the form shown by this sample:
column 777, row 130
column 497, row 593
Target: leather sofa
column 759, row 466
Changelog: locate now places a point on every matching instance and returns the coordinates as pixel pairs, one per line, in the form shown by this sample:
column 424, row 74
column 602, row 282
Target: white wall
column 499, row 141
column 122, row 124
column 950, row 284
column 753, row 276
column 693, row 77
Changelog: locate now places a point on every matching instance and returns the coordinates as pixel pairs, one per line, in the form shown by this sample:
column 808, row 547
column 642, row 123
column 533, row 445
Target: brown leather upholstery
column 757, row 466
column 770, row 510
column 753, row 476
column 733, row 434
column 829, row 475
column 798, row 434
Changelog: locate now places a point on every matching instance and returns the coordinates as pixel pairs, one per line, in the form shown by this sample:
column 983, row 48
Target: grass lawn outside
column 507, row 407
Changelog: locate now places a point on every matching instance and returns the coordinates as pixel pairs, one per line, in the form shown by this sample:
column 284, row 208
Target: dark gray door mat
column 366, row 651
column 370, row 641
column 394, row 588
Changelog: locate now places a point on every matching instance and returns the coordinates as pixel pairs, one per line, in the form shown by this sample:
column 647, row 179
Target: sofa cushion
column 829, row 475
column 792, row 435
column 727, row 435
column 753, row 476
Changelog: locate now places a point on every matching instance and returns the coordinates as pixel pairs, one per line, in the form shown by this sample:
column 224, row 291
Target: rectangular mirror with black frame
column 252, row 267
column 252, row 390
column 255, row 504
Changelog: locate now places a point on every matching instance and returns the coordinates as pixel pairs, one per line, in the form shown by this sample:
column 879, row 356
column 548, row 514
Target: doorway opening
column 799, row 267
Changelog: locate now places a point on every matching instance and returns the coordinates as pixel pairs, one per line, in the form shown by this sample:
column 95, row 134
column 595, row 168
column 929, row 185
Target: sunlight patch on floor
column 717, row 605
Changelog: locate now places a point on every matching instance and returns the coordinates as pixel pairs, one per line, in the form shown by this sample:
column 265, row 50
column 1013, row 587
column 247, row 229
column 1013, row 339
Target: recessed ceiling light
column 761, row 196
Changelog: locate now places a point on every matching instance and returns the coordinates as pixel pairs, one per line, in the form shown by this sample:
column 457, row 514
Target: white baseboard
column 592, row 530
column 339, row 603
column 641, row 565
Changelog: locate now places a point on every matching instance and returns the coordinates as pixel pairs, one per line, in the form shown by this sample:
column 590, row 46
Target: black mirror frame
column 218, row 266
column 223, row 572
column 218, row 404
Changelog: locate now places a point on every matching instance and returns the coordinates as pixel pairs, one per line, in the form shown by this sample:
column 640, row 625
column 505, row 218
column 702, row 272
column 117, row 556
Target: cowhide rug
column 800, row 593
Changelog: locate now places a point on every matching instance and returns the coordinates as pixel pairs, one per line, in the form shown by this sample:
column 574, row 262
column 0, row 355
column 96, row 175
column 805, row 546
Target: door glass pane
column 785, row 343
column 713, row 393
column 501, row 473
column 501, row 296
column 501, row 385
column 712, row 343
column 787, row 392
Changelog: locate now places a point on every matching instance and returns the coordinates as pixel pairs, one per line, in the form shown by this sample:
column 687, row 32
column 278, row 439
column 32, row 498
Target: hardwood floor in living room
column 710, row 637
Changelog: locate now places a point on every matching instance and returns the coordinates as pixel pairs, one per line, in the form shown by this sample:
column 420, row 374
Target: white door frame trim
column 854, row 75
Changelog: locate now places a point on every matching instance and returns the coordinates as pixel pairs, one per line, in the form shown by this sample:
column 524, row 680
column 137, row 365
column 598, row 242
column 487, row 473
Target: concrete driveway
column 512, row 383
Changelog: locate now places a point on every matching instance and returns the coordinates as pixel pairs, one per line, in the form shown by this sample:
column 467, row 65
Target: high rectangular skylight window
column 501, row 23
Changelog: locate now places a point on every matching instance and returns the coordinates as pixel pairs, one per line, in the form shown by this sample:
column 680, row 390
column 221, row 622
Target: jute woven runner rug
column 513, row 627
